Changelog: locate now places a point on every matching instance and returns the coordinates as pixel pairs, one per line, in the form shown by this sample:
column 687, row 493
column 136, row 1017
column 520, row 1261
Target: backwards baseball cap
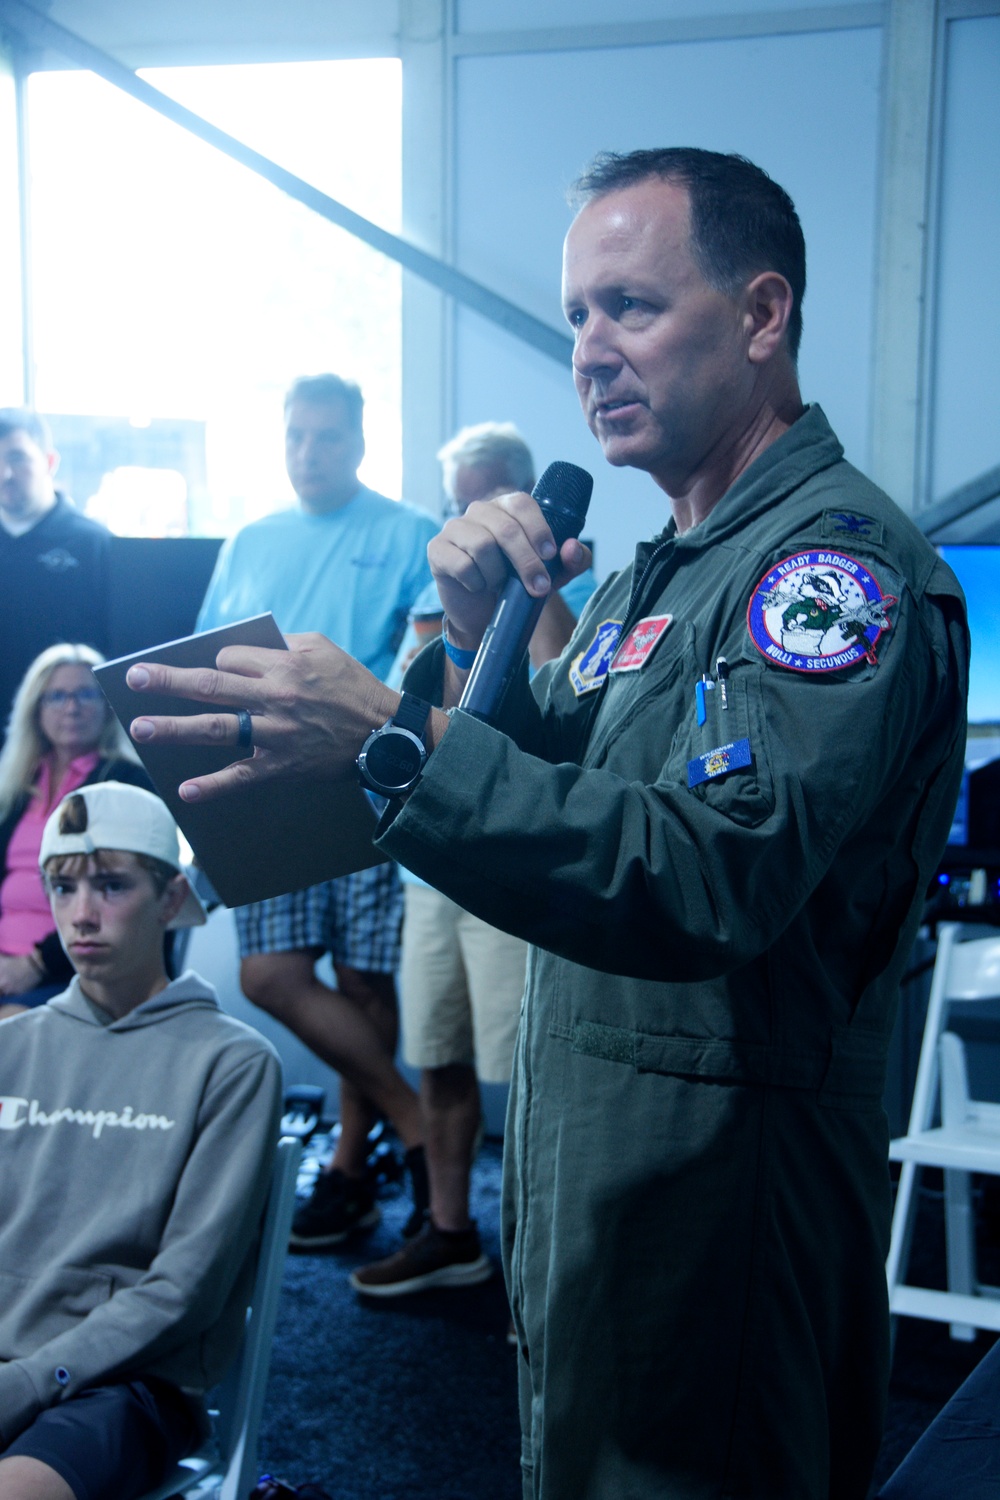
column 127, row 818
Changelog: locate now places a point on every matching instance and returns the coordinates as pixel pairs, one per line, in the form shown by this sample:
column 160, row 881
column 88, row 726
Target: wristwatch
column 393, row 757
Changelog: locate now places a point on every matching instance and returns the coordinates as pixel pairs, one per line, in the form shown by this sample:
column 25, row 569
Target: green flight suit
column 696, row 1187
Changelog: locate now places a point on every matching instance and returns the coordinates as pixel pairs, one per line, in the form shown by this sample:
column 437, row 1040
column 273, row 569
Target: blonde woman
column 62, row 735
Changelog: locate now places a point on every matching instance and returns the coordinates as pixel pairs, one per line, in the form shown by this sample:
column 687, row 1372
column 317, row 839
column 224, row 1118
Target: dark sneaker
column 338, row 1207
column 416, row 1166
column 431, row 1259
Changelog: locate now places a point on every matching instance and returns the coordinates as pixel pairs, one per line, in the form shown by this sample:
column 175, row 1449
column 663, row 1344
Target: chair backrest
column 964, row 972
column 226, row 1468
column 955, row 1111
column 241, row 1394
column 974, row 970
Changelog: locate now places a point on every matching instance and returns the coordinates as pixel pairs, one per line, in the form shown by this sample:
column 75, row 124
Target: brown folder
column 274, row 837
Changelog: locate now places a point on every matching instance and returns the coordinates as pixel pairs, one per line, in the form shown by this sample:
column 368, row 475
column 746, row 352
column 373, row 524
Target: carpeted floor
column 415, row 1399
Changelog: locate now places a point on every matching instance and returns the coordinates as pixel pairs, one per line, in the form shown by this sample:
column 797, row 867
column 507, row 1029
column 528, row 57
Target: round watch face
column 392, row 760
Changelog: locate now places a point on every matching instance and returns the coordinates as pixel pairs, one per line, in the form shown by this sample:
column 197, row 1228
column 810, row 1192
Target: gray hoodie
column 135, row 1157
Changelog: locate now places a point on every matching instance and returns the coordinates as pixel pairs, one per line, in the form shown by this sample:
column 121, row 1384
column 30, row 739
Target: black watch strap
column 412, row 713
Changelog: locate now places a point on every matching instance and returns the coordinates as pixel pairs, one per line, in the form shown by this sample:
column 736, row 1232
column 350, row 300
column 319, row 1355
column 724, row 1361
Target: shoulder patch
column 842, row 525
column 588, row 670
column 818, row 612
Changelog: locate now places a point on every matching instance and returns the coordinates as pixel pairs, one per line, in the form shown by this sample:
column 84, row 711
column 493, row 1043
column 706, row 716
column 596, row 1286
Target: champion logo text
column 17, row 1114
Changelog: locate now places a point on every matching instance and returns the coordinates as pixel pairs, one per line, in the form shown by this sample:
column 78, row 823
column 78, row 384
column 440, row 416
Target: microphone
column 563, row 494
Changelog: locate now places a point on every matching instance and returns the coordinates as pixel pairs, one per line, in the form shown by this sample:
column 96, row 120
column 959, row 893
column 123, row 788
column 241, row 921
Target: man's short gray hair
column 485, row 444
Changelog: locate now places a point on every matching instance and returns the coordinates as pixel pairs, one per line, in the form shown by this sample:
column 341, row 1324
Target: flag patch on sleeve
column 717, row 762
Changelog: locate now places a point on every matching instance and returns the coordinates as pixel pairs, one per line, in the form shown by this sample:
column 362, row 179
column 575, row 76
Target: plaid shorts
column 355, row 918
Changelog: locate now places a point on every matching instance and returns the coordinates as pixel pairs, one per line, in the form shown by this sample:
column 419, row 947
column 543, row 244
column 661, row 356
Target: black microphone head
column 563, row 492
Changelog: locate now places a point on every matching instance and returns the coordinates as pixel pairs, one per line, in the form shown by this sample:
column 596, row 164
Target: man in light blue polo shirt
column 349, row 563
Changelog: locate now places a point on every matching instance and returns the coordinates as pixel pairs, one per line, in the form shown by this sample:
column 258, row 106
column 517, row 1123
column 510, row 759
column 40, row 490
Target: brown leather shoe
column 432, row 1258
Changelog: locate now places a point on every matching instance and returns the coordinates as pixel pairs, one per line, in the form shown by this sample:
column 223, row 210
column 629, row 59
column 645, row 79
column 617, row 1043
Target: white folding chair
column 966, row 1140
column 226, row 1467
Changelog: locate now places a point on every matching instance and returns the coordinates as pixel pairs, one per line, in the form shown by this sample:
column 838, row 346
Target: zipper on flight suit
column 633, row 611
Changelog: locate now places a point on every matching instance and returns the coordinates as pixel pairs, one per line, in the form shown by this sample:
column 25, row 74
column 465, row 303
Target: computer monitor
column 974, row 840
column 978, row 571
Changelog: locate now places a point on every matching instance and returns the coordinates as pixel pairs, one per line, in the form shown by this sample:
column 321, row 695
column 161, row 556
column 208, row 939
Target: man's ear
column 173, row 898
column 52, row 459
column 767, row 307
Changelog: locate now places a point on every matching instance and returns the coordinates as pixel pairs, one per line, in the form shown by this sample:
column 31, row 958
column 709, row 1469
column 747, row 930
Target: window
column 10, row 255
column 176, row 295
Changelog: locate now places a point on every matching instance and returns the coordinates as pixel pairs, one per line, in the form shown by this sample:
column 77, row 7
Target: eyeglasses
column 59, row 697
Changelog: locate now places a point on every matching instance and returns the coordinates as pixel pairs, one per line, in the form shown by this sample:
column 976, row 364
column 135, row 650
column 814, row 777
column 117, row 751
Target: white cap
column 127, row 818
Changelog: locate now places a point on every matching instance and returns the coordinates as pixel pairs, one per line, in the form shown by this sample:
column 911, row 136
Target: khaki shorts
column 461, row 983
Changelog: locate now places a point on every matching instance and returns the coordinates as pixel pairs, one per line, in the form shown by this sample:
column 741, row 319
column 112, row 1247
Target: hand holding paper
column 301, row 816
column 311, row 707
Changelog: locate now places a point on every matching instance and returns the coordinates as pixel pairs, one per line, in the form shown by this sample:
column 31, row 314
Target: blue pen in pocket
column 703, row 686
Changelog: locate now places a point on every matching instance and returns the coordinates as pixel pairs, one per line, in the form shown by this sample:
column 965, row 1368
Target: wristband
column 462, row 659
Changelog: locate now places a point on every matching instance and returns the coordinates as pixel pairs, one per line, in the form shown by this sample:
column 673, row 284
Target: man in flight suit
column 718, row 846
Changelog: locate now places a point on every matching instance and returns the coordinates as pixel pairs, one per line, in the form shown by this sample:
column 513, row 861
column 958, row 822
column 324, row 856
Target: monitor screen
column 978, row 571
column 959, row 834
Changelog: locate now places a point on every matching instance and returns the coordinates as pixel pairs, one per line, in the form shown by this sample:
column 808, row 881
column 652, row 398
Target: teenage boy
column 137, row 1128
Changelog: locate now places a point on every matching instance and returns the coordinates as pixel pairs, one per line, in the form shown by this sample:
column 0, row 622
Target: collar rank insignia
column 588, row 670
column 717, row 762
column 846, row 525
column 818, row 612
column 640, row 643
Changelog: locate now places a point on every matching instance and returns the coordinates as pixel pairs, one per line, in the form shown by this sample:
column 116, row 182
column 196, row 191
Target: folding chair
column 226, row 1467
column 967, row 1140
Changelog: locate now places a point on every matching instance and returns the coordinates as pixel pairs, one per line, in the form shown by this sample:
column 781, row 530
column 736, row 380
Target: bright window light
column 10, row 255
column 176, row 295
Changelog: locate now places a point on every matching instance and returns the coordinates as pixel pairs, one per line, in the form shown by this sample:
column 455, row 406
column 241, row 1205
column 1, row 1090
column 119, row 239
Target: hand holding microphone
column 561, row 496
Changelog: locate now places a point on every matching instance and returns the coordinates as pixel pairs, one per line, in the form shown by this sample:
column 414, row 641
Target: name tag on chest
column 640, row 643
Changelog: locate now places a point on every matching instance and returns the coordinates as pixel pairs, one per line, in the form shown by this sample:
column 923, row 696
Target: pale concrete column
column 14, row 72
column 898, row 386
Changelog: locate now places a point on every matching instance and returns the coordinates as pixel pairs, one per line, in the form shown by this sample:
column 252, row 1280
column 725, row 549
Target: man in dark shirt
column 53, row 560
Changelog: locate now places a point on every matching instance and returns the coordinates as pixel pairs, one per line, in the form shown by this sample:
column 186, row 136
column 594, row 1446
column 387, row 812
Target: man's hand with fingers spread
column 311, row 708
